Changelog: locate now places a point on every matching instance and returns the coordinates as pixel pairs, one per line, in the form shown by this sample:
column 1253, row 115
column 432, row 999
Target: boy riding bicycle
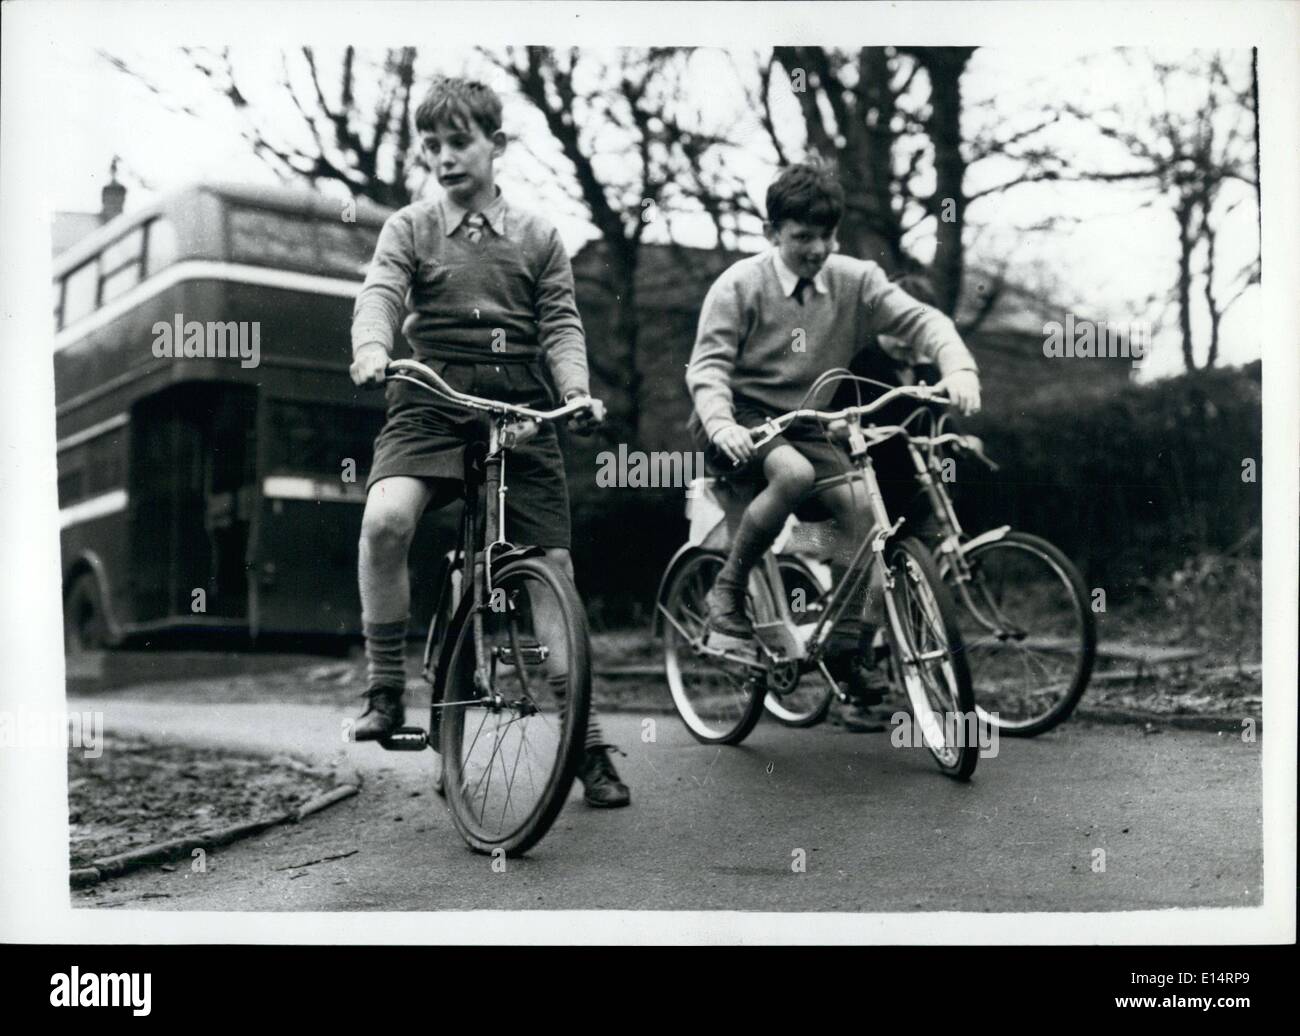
column 770, row 326
column 489, row 290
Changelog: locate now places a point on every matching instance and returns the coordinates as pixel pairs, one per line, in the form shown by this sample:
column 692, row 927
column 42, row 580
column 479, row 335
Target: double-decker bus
column 212, row 451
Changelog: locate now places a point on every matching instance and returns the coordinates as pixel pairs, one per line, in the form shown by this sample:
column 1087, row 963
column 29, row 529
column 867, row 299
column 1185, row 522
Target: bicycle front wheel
column 930, row 659
column 1029, row 632
column 513, row 726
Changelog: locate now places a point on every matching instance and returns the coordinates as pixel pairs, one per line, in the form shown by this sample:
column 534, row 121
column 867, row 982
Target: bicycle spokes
column 508, row 731
column 926, row 660
column 1026, row 631
column 717, row 691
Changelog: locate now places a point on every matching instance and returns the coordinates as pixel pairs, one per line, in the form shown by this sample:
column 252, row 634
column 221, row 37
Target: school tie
column 799, row 286
column 475, row 224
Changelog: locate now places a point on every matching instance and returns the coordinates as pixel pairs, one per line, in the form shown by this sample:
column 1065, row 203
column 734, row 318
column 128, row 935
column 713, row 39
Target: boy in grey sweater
column 483, row 292
column 771, row 324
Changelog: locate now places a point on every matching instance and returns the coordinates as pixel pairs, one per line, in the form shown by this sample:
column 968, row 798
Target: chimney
column 113, row 196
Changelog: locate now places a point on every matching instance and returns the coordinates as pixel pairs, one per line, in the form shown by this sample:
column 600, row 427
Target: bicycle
column 1025, row 614
column 491, row 647
column 1025, row 619
column 719, row 692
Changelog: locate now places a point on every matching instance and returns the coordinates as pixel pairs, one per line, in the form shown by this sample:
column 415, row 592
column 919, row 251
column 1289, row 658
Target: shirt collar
column 790, row 280
column 453, row 215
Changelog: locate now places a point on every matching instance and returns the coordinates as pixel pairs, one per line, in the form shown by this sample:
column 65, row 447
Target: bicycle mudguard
column 684, row 553
column 986, row 537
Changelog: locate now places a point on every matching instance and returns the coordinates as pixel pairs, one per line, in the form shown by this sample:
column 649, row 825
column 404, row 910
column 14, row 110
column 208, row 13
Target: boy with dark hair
column 771, row 324
column 487, row 293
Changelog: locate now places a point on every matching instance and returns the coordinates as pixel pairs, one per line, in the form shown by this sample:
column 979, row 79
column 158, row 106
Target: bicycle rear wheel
column 1029, row 631
column 512, row 742
column 929, row 658
column 718, row 700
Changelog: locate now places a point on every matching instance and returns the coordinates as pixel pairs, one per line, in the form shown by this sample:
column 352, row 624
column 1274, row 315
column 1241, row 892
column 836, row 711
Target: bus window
column 162, row 246
column 105, row 469
column 120, row 263
column 346, row 248
column 80, row 292
column 318, row 438
column 271, row 238
column 125, row 249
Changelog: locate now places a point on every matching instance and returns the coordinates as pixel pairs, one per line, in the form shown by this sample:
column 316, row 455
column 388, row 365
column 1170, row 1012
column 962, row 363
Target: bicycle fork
column 950, row 549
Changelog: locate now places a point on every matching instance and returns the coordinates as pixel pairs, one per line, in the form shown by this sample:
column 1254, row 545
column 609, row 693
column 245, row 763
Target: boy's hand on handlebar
column 368, row 365
column 584, row 422
column 736, row 443
column 963, row 388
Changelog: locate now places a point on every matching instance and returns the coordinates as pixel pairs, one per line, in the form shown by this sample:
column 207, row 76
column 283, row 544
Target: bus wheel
column 84, row 624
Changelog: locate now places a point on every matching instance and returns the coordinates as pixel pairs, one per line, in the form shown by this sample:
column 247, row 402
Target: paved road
column 1177, row 813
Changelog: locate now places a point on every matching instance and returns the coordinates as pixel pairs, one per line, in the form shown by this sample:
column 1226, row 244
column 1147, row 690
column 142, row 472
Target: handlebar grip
column 371, row 386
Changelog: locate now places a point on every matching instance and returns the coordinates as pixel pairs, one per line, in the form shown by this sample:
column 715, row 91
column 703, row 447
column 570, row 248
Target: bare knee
column 791, row 476
column 386, row 533
column 561, row 559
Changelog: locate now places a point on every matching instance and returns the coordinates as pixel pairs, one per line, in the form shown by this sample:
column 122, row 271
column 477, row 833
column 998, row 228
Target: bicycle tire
column 457, row 685
column 1086, row 634
column 916, row 591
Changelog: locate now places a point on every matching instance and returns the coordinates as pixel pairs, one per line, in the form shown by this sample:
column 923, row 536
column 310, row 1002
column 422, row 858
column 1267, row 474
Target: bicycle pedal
column 532, row 654
column 406, row 739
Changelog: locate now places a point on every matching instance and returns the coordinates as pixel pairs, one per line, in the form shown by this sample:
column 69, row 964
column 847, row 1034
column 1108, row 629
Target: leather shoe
column 726, row 607
column 600, row 781
column 383, row 715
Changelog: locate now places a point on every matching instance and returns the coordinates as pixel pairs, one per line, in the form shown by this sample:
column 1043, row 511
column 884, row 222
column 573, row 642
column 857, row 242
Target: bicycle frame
column 954, row 545
column 808, row 646
column 509, row 426
column 784, row 640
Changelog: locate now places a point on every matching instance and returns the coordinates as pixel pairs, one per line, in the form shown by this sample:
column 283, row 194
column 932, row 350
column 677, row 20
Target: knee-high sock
column 752, row 541
column 595, row 737
column 386, row 653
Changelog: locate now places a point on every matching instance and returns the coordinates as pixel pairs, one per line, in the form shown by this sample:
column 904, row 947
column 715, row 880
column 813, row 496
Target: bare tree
column 629, row 103
column 363, row 144
column 1190, row 159
column 849, row 103
column 895, row 124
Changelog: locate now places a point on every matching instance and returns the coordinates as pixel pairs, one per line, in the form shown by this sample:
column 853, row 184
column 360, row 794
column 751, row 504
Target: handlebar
column 416, row 373
column 773, row 427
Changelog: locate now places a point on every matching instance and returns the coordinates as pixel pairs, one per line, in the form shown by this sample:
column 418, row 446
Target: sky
column 1114, row 247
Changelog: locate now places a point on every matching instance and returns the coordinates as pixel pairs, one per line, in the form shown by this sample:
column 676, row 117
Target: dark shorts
column 425, row 437
column 892, row 464
column 828, row 459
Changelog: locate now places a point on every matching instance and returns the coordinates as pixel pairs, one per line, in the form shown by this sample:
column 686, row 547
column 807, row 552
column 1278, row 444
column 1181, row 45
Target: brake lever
column 974, row 444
